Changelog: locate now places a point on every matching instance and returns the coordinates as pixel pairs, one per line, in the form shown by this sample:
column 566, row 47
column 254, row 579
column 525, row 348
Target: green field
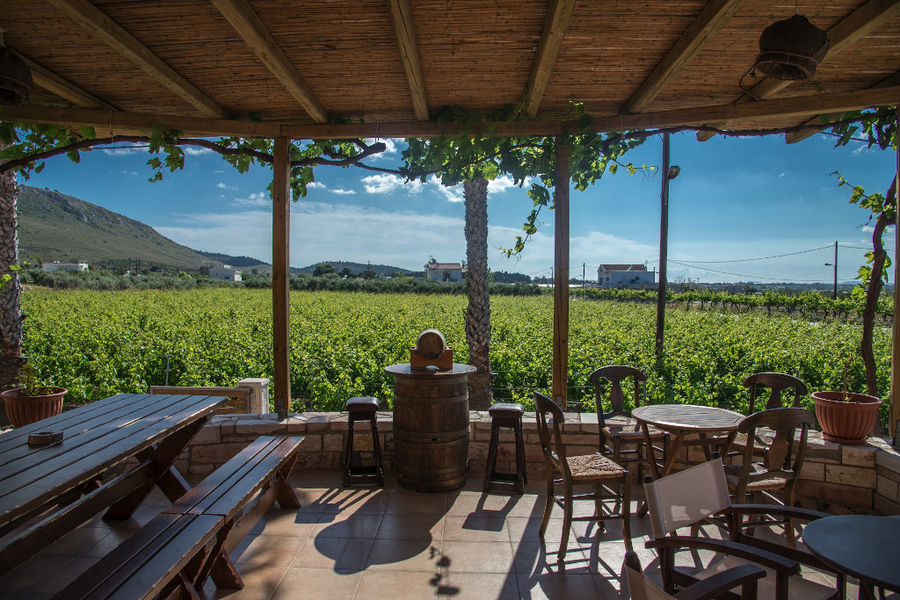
column 100, row 343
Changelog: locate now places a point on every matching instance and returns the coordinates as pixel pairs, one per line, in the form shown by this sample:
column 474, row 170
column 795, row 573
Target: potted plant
column 846, row 417
column 31, row 401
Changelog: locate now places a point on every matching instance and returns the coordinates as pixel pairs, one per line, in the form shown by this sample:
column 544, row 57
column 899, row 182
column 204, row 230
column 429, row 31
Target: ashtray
column 44, row 438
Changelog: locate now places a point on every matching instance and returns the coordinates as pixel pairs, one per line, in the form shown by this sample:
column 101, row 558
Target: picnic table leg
column 284, row 493
column 165, row 475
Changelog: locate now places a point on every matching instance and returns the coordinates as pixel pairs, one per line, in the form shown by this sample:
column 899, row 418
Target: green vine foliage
column 531, row 158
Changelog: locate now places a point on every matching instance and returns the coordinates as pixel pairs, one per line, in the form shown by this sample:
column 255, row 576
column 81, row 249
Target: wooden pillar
column 894, row 414
column 561, row 275
column 281, row 200
column 663, row 247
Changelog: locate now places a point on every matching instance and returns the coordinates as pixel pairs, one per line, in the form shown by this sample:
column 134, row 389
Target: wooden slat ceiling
column 394, row 62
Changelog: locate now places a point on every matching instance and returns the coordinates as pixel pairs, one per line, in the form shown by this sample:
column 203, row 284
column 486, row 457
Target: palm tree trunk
column 478, row 312
column 10, row 293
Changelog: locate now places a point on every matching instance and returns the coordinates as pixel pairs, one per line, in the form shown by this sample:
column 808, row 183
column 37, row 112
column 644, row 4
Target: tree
column 880, row 129
column 478, row 310
column 10, row 291
column 323, row 268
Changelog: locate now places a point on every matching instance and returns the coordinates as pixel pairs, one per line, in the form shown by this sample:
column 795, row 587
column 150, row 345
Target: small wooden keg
column 431, row 426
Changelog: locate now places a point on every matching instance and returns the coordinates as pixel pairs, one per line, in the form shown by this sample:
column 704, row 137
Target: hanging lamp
column 15, row 77
column 791, row 49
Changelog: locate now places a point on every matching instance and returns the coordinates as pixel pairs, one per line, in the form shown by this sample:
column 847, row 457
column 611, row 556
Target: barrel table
column 431, row 426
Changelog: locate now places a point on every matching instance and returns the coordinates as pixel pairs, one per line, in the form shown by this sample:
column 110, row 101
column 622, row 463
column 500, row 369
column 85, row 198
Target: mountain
column 357, row 268
column 55, row 226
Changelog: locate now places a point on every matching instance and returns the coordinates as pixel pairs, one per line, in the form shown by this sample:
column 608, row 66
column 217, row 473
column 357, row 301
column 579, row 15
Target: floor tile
column 404, row 555
column 320, row 584
column 478, row 586
column 397, row 585
column 352, row 525
column 475, row 528
column 267, row 550
column 340, row 554
column 478, row 557
column 411, row 528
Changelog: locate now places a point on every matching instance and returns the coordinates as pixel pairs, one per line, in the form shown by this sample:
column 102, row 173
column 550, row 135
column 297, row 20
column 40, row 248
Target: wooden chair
column 617, row 428
column 773, row 464
column 567, row 471
column 641, row 588
column 689, row 497
column 776, row 383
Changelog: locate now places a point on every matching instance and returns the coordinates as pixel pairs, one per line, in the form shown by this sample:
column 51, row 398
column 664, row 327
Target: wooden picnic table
column 47, row 491
column 681, row 420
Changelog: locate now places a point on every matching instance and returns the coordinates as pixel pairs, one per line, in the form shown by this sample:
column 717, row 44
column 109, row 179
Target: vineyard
column 100, row 343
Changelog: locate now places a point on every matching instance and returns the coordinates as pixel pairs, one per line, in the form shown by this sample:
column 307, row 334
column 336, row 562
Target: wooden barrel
column 431, row 426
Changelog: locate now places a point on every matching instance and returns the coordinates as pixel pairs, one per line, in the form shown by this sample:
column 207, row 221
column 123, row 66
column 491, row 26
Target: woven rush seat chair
column 776, row 383
column 781, row 454
column 610, row 481
column 621, row 436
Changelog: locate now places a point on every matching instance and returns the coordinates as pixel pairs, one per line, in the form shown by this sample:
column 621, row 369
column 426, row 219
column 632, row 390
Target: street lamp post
column 834, row 291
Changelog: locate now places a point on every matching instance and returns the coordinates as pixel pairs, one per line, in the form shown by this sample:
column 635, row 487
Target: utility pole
column 582, row 275
column 834, row 293
column 667, row 175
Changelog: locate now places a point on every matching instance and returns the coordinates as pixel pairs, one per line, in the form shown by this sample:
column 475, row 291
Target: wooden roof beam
column 405, row 30
column 799, row 107
column 711, row 19
column 250, row 27
column 820, row 122
column 102, row 27
column 65, row 89
column 845, row 33
column 559, row 13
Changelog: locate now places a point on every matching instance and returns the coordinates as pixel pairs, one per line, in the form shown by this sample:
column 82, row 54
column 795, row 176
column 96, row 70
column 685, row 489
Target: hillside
column 357, row 268
column 55, row 226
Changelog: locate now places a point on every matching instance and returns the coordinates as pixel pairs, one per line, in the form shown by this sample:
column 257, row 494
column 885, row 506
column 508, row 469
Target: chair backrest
column 616, row 374
column 550, row 419
column 777, row 383
column 683, row 498
column 640, row 587
column 779, row 455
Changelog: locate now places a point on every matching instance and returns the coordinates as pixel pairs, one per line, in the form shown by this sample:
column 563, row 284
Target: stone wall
column 834, row 477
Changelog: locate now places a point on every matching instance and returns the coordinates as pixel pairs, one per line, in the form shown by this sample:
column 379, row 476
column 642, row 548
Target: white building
column 625, row 276
column 435, row 271
column 61, row 266
column 225, row 273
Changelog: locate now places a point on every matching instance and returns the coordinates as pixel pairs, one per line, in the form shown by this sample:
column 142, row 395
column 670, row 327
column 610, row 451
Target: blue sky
column 735, row 199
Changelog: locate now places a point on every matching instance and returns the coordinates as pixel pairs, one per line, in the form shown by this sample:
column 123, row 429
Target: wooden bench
column 190, row 541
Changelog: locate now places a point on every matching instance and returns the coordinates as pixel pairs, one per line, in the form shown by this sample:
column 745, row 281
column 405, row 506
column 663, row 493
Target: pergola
column 313, row 69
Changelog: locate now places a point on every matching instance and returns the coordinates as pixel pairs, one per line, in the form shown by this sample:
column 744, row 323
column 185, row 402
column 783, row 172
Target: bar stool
column 363, row 408
column 509, row 415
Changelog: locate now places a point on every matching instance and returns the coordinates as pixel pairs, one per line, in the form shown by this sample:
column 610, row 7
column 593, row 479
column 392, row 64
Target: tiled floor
column 383, row 543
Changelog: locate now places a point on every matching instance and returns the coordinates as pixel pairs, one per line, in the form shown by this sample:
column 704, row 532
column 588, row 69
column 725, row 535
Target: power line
column 829, row 246
column 684, row 264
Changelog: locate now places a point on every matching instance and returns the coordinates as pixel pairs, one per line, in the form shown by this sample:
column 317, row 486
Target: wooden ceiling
column 347, row 68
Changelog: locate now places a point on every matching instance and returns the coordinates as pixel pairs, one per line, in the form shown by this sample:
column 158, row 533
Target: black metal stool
column 363, row 408
column 506, row 415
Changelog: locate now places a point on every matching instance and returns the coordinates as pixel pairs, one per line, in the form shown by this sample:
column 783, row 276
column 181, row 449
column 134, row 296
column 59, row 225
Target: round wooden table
column 862, row 546
column 681, row 420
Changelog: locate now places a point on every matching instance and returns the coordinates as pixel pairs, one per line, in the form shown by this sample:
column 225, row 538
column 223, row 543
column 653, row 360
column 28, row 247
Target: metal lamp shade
column 791, row 49
column 15, row 79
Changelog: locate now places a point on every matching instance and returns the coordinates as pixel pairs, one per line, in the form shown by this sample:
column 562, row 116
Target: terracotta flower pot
column 24, row 410
column 846, row 418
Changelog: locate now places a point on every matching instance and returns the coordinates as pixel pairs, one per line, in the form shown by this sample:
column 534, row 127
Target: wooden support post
column 663, row 247
column 561, row 275
column 281, row 199
column 894, row 414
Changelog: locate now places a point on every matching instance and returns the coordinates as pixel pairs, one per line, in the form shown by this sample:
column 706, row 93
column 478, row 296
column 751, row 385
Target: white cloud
column 224, row 186
column 384, row 183
column 312, row 185
column 125, row 151
column 868, row 228
column 124, row 172
column 451, row 193
column 332, row 231
column 390, row 148
column 505, row 182
column 257, row 199
column 342, row 192
column 196, row 150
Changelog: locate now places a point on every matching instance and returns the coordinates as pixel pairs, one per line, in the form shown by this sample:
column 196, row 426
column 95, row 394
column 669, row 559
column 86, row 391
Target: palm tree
column 10, row 293
column 478, row 311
